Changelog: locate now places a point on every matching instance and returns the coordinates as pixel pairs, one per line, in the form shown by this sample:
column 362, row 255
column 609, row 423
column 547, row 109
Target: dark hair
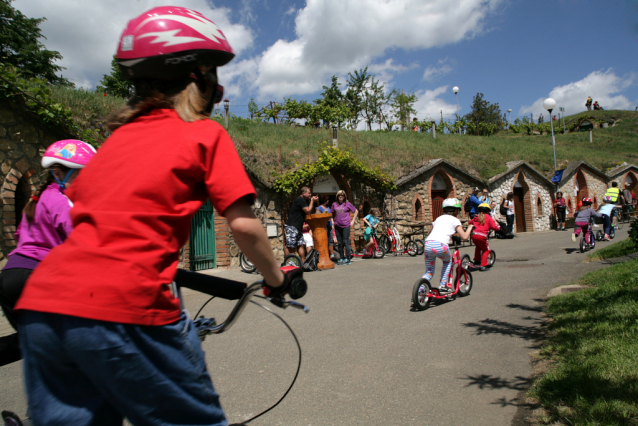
column 325, row 198
column 304, row 189
column 561, row 194
column 614, row 184
column 510, row 195
column 29, row 209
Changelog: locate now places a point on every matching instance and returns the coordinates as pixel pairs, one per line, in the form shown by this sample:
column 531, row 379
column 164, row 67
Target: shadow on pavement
column 530, row 333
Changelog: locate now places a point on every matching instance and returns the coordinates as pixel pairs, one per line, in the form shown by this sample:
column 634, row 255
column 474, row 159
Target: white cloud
column 432, row 73
column 338, row 36
column 601, row 86
column 86, row 33
column 429, row 105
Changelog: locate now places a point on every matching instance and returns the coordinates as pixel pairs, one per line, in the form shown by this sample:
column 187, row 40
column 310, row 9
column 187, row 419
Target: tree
column 540, row 119
column 332, row 105
column 20, row 46
column 402, row 105
column 252, row 108
column 114, row 83
column 484, row 112
column 373, row 100
column 357, row 83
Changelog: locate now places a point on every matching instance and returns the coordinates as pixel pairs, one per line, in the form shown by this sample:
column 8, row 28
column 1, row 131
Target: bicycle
column 459, row 278
column 235, row 290
column 588, row 241
column 600, row 234
column 376, row 251
column 419, row 242
column 248, row 267
column 618, row 212
column 391, row 241
column 491, row 258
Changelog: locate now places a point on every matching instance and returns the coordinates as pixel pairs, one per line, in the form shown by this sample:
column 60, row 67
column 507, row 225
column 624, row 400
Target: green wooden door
column 202, row 239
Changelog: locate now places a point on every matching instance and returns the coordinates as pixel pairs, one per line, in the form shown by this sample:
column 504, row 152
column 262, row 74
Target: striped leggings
column 434, row 249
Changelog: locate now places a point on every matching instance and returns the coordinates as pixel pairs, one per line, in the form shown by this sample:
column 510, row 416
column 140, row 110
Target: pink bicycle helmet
column 587, row 200
column 71, row 153
column 170, row 42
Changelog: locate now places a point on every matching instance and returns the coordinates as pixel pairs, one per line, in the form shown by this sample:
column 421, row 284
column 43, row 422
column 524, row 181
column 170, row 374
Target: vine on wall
column 343, row 161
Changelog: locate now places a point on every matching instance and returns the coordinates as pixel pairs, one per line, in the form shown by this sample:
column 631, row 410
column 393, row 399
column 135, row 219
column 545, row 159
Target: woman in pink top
column 45, row 220
column 341, row 212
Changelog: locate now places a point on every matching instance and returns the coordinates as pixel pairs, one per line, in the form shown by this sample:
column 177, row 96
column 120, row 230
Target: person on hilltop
column 103, row 332
column 588, row 103
column 302, row 205
column 45, row 223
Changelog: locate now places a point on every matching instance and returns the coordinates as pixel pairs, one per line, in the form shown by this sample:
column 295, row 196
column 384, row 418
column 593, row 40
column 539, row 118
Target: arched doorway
column 521, row 203
column 440, row 189
column 326, row 185
column 630, row 178
column 580, row 186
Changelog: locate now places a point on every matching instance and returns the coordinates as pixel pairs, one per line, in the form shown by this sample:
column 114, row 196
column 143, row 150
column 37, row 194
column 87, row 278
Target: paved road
column 369, row 360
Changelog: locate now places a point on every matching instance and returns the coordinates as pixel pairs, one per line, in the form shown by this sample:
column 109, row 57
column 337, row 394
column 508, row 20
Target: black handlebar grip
column 298, row 288
column 215, row 286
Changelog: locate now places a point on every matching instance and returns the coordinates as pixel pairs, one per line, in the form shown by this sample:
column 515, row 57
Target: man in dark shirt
column 303, row 205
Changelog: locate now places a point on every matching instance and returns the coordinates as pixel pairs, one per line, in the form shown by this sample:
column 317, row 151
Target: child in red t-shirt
column 483, row 223
column 102, row 334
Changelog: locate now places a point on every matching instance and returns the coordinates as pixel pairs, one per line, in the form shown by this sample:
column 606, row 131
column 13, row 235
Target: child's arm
column 464, row 234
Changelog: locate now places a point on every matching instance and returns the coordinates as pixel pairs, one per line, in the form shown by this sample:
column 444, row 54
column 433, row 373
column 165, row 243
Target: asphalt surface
column 368, row 359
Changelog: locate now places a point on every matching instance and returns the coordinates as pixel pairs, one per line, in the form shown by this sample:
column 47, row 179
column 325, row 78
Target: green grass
column 593, row 346
column 398, row 153
column 268, row 148
column 620, row 248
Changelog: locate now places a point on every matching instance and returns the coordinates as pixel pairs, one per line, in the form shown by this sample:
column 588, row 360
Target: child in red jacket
column 483, row 223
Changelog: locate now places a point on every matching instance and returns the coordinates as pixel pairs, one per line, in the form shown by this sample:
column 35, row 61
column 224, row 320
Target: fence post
column 433, row 130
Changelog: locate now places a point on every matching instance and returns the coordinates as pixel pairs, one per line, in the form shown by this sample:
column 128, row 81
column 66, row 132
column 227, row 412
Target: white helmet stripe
column 205, row 27
column 169, row 38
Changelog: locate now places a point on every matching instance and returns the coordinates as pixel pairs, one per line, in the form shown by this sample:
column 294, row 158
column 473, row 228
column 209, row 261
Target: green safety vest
column 613, row 193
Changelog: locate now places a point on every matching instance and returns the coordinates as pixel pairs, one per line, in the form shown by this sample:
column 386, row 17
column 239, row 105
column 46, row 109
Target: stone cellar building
column 533, row 201
column 580, row 180
column 624, row 174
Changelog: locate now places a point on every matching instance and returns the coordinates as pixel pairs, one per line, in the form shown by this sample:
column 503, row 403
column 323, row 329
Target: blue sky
column 515, row 52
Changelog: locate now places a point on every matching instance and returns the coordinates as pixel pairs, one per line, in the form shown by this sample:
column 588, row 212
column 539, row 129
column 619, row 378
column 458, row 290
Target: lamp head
column 455, row 89
column 549, row 104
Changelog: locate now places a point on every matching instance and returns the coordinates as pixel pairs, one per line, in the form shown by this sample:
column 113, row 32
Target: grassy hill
column 267, row 148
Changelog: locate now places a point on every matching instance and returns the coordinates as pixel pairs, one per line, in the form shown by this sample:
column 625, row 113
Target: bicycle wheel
column 465, row 261
column 420, row 298
column 593, row 241
column 246, row 265
column 384, row 243
column 412, row 248
column 465, row 283
column 292, row 260
column 582, row 245
column 491, row 258
column 600, row 235
column 612, row 233
column 420, row 246
column 378, row 253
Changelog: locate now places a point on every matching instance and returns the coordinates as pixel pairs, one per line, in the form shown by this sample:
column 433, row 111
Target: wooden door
column 519, row 209
column 437, row 203
column 202, row 239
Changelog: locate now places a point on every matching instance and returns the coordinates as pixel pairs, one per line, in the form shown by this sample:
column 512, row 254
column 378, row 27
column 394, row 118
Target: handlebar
column 232, row 290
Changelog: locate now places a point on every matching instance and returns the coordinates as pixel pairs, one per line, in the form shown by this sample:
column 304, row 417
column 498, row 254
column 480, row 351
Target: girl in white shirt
column 436, row 244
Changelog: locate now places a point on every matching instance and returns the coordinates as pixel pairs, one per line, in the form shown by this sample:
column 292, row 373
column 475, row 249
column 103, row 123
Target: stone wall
column 23, row 140
column 537, row 215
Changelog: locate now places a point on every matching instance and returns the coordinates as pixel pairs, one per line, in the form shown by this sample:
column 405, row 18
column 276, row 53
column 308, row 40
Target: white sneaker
column 573, row 238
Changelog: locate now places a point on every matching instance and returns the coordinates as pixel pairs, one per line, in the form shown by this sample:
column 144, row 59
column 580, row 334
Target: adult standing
column 474, row 202
column 304, row 204
column 628, row 197
column 509, row 205
column 588, row 103
column 341, row 213
column 323, row 208
column 561, row 211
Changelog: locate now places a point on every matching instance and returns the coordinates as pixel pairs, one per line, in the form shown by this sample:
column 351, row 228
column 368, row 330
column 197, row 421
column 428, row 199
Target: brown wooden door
column 437, row 204
column 519, row 209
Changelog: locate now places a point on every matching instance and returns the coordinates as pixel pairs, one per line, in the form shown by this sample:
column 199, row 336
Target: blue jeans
column 85, row 372
column 510, row 223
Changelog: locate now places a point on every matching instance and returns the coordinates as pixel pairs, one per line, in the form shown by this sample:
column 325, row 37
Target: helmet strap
column 62, row 182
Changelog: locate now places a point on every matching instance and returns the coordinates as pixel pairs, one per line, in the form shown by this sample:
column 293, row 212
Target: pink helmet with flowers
column 71, row 153
column 169, row 43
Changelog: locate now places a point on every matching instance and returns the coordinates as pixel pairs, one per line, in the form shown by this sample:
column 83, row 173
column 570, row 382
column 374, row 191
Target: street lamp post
column 226, row 106
column 549, row 104
column 509, row 113
column 455, row 89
